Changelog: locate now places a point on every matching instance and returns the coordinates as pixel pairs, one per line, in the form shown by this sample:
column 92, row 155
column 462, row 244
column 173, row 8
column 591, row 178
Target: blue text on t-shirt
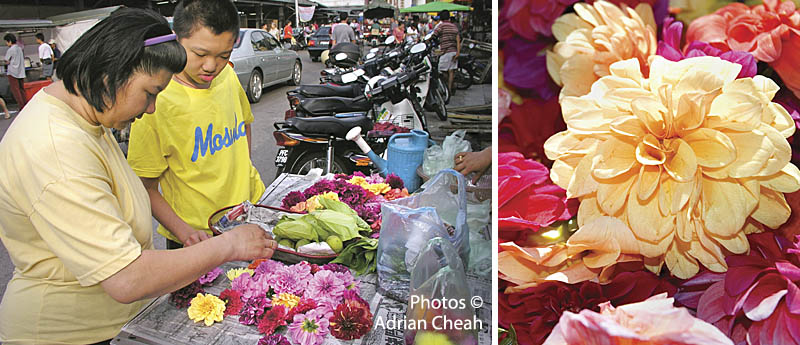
column 216, row 142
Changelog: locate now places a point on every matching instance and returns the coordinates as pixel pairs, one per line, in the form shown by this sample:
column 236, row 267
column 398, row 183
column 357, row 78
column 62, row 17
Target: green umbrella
column 435, row 6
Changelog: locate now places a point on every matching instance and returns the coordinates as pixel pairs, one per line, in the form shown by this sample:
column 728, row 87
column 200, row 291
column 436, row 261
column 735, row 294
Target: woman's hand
column 249, row 242
column 467, row 162
column 193, row 237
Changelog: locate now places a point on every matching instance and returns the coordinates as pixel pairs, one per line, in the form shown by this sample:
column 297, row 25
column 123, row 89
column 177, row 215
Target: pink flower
column 310, row 328
column 292, row 279
column 526, row 198
column 209, row 277
column 532, row 18
column 653, row 321
column 758, row 299
column 325, row 284
column 670, row 48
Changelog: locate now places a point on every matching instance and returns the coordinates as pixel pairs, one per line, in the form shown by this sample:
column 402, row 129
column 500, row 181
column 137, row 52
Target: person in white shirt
column 46, row 56
column 412, row 33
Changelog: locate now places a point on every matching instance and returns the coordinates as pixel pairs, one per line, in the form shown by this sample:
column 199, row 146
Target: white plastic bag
column 438, row 157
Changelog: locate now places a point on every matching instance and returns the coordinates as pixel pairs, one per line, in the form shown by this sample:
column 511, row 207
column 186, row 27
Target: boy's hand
column 194, row 237
column 249, row 242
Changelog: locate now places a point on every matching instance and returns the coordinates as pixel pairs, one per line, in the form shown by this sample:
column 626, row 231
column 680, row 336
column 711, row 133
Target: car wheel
column 254, row 87
column 297, row 73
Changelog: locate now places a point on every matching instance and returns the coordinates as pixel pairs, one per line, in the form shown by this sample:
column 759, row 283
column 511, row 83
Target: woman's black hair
column 103, row 60
column 10, row 38
column 217, row 15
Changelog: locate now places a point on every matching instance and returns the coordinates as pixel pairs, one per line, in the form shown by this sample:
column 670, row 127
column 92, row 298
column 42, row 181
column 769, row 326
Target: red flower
column 182, row 298
column 529, row 125
column 348, row 323
column 233, row 301
column 758, row 299
column 302, row 307
column 527, row 199
column 272, row 319
column 531, row 18
column 536, row 310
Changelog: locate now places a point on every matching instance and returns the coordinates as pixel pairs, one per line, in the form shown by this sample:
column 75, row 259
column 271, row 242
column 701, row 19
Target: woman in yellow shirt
column 75, row 219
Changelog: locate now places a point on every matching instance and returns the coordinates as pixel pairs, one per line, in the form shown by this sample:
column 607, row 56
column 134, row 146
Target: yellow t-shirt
column 72, row 213
column 195, row 145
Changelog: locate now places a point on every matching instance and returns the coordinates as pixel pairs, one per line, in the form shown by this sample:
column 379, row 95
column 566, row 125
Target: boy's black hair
column 10, row 38
column 104, row 58
column 40, row 36
column 444, row 15
column 217, row 15
column 342, row 16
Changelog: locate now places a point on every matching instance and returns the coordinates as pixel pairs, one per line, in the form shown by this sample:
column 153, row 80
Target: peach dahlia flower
column 654, row 321
column 677, row 167
column 593, row 38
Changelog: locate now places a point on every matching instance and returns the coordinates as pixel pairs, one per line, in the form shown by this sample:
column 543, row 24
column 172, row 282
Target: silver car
column 259, row 60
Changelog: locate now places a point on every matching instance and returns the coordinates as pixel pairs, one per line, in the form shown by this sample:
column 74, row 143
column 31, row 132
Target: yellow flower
column 678, row 167
column 358, row 181
column 378, row 188
column 431, row 338
column 207, row 308
column 233, row 273
column 596, row 36
column 312, row 204
column 286, row 299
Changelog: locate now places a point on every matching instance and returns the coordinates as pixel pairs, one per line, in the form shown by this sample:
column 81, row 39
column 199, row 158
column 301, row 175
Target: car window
column 239, row 39
column 257, row 39
column 272, row 43
column 323, row 31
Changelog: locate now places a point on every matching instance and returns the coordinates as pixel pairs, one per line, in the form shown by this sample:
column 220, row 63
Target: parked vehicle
column 319, row 141
column 319, row 42
column 259, row 60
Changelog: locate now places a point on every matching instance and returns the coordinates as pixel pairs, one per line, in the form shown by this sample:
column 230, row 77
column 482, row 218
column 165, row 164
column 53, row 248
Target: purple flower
column 209, row 277
column 670, row 48
column 274, row 339
column 335, row 268
column 293, row 198
column 325, row 284
column 241, row 283
column 376, row 178
column 394, row 181
column 253, row 309
column 525, row 67
column 352, row 295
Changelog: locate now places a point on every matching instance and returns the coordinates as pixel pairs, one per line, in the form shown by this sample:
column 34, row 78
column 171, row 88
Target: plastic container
column 31, row 88
column 405, row 154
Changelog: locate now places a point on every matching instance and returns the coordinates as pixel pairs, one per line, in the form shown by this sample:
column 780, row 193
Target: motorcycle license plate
column 282, row 157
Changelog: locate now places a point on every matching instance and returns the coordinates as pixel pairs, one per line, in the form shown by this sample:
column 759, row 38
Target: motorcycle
column 310, row 142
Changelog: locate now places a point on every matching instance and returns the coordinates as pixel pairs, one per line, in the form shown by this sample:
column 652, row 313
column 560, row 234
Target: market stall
column 166, row 321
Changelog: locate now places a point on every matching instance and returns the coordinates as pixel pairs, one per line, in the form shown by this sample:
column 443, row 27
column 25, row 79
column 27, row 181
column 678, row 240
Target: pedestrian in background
column 46, row 56
column 15, row 69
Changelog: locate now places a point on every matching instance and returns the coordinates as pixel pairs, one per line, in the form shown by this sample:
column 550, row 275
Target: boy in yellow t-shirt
column 196, row 145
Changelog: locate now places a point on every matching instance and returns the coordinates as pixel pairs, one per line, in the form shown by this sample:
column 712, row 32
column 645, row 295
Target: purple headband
column 159, row 39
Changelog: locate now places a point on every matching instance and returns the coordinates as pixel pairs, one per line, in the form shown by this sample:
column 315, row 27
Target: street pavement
column 268, row 110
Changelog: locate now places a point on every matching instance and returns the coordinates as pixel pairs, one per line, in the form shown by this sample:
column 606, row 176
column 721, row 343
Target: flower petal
column 652, row 114
column 679, row 262
column 612, row 194
column 772, row 209
column 649, row 177
column 682, row 163
column 614, row 158
column 725, row 206
column 606, row 237
column 785, row 181
column 711, row 147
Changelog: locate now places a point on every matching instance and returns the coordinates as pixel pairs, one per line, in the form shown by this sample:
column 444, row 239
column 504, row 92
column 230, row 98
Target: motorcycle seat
column 352, row 90
column 325, row 126
column 332, row 105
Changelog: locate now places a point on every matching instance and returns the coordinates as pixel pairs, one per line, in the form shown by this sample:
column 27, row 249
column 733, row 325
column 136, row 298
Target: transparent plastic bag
column 438, row 158
column 404, row 232
column 440, row 301
column 409, row 223
column 480, row 241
